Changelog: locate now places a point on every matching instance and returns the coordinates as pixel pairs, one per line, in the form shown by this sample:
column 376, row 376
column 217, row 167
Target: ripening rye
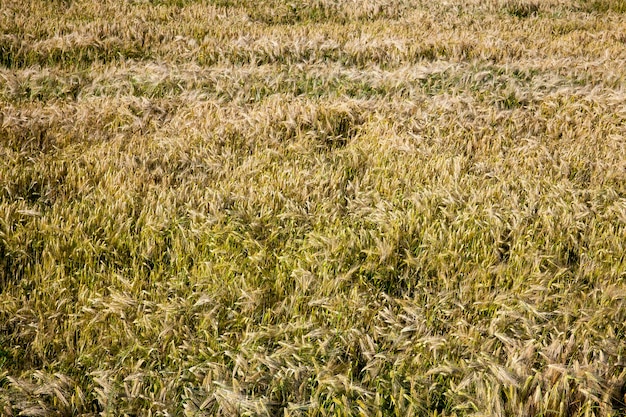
column 312, row 208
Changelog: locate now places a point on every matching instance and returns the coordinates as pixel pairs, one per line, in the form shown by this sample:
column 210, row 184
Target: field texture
column 312, row 208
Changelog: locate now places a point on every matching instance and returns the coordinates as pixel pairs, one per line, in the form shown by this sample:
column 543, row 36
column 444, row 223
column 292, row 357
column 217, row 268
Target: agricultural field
column 312, row 208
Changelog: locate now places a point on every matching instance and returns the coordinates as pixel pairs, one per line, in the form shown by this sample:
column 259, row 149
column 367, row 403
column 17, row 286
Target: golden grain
column 337, row 207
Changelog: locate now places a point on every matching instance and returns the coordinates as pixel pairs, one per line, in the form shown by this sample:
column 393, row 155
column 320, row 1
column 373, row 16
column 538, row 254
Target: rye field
column 312, row 208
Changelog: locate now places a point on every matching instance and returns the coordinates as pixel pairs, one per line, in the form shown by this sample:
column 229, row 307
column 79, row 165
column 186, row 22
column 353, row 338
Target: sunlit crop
column 312, row 208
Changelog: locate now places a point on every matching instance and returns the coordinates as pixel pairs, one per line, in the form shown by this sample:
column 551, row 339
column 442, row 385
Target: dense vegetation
column 310, row 208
